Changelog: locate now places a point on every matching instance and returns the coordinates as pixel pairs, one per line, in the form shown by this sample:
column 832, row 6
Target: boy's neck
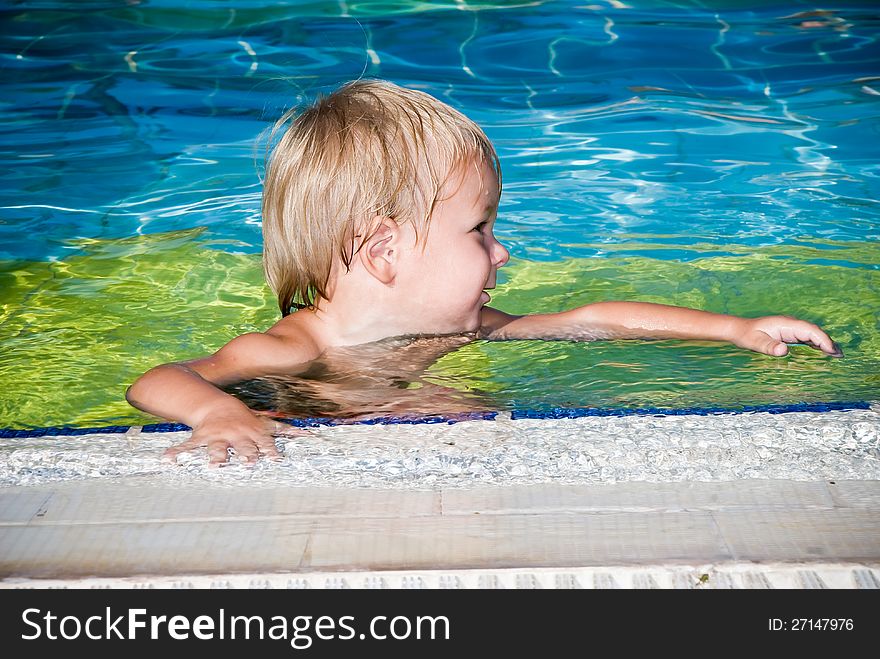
column 347, row 321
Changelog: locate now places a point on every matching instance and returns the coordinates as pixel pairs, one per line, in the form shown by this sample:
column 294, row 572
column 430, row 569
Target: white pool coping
column 690, row 502
column 842, row 444
column 805, row 576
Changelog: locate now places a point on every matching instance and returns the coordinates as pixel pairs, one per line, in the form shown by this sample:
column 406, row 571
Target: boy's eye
column 480, row 226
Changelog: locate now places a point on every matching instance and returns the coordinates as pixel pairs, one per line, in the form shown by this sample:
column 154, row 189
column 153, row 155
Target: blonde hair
column 370, row 148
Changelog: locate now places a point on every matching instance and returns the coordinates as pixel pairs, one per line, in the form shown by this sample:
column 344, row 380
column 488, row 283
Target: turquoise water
column 717, row 155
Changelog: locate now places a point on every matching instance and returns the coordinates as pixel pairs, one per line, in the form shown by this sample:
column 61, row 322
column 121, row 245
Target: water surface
column 715, row 155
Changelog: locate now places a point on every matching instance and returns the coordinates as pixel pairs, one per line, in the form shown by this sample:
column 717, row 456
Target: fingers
column 266, row 447
column 217, row 449
column 218, row 452
column 777, row 331
column 236, row 439
column 802, row 333
column 244, row 450
column 766, row 344
column 823, row 342
column 778, row 350
column 814, row 337
column 170, row 454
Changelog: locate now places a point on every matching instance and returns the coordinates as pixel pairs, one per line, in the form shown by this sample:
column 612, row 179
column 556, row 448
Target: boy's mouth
column 485, row 297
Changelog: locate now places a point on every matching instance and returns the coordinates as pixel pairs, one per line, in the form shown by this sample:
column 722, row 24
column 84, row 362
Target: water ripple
column 629, row 133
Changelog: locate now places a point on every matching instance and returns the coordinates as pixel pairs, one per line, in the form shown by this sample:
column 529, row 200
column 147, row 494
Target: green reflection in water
column 75, row 333
column 842, row 299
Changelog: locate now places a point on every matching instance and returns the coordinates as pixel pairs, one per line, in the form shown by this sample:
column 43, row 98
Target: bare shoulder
column 255, row 354
column 267, row 349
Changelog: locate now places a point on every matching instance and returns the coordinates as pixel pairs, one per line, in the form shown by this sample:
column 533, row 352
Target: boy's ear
column 380, row 253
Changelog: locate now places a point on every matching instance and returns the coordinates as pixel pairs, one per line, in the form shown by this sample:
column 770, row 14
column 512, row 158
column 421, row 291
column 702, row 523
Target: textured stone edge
column 501, row 415
column 737, row 575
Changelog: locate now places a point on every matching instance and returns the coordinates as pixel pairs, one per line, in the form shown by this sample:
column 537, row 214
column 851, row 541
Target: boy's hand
column 769, row 334
column 249, row 434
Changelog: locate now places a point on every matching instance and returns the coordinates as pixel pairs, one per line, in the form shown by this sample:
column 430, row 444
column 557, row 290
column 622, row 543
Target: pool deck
column 749, row 533
column 148, row 531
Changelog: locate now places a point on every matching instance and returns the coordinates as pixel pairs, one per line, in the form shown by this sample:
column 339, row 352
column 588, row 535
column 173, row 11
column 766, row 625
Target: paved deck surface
column 750, row 533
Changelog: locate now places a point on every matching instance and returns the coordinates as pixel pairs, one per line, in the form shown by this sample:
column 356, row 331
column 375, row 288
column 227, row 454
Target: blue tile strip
column 6, row 433
column 552, row 413
column 573, row 413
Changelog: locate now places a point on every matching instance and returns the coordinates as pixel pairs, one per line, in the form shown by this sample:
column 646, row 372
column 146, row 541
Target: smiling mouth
column 485, row 297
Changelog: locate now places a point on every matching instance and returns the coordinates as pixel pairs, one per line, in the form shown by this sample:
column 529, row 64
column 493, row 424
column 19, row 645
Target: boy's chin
column 474, row 323
column 458, row 322
column 467, row 326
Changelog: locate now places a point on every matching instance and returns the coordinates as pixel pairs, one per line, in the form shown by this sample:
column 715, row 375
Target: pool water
column 714, row 155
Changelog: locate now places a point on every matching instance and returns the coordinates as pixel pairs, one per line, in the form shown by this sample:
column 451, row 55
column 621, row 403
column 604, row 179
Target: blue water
column 746, row 122
column 714, row 154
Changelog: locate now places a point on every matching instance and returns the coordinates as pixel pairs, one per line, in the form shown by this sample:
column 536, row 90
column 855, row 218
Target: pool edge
column 552, row 413
column 733, row 575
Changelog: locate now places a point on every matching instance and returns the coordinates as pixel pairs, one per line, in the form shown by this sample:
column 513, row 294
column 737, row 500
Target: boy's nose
column 500, row 255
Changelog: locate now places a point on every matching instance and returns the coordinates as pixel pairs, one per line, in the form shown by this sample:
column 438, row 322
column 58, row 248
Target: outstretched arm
column 646, row 320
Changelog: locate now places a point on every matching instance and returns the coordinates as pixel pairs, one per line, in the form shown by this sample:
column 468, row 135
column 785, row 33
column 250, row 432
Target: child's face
column 444, row 284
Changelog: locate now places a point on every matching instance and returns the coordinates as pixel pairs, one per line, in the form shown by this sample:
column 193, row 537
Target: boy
column 378, row 211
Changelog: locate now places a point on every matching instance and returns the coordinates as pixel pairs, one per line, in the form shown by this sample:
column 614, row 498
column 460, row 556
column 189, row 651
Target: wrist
column 731, row 328
column 228, row 406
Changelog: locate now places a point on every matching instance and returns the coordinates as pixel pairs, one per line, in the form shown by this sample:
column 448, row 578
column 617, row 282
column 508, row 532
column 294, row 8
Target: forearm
column 175, row 392
column 646, row 320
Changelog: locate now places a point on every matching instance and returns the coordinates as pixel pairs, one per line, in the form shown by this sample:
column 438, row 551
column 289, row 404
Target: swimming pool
column 714, row 155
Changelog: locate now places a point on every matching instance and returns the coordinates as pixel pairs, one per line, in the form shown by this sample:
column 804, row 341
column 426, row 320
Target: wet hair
column 371, row 148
